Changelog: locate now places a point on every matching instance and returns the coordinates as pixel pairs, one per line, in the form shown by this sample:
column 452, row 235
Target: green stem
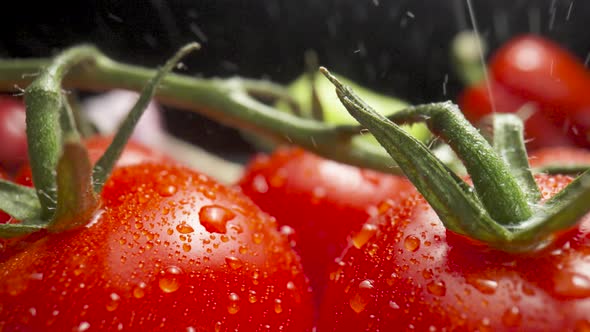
column 224, row 100
column 497, row 189
column 105, row 164
column 43, row 99
column 456, row 205
column 508, row 140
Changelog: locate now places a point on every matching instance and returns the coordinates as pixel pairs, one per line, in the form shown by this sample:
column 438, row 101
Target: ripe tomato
column 13, row 149
column 413, row 274
column 322, row 200
column 170, row 250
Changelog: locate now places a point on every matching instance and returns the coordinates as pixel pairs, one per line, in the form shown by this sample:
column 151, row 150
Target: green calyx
column 67, row 185
column 502, row 207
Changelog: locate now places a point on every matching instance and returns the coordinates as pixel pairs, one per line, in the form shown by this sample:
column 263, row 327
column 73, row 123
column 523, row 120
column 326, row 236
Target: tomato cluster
column 298, row 243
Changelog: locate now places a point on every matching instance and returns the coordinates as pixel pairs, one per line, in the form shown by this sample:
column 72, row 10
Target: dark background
column 397, row 47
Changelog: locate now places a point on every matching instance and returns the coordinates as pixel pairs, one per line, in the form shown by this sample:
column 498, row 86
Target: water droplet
column 233, row 262
column 512, row 317
column 186, row 247
column 485, row 286
column 278, row 306
column 364, row 235
column 113, row 302
column 362, row 296
column 259, row 184
column 437, row 288
column 218, row 327
column 166, row 190
column 170, row 279
column 139, row 290
column 393, row 277
column 184, row 228
column 393, row 305
column 411, row 243
column 252, row 298
column 257, row 238
column 83, row 327
column 214, row 218
column 234, row 303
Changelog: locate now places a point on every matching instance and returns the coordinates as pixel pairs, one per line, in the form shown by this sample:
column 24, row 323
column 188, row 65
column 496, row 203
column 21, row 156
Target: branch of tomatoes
column 538, row 79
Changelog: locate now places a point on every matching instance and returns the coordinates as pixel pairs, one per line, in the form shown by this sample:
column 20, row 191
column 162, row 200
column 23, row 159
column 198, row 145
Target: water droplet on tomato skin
column 485, row 286
column 166, row 190
column 364, row 235
column 139, row 290
column 184, row 228
column 437, row 288
column 512, row 317
column 233, row 305
column 113, row 303
column 170, row 279
column 233, row 262
column 214, row 218
column 411, row 243
column 362, row 296
column 278, row 306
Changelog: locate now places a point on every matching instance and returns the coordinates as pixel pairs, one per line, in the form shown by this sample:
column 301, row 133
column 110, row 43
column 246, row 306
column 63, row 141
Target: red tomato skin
column 414, row 275
column 171, row 250
column 13, row 137
column 323, row 201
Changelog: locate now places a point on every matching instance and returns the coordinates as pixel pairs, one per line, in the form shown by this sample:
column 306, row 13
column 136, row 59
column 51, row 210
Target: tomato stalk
column 517, row 227
column 233, row 102
column 67, row 185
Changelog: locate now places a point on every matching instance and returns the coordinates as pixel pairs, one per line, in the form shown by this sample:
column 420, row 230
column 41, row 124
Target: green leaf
column 15, row 230
column 18, row 201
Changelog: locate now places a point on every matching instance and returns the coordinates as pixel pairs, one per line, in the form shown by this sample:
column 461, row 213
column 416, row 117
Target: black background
column 397, row 47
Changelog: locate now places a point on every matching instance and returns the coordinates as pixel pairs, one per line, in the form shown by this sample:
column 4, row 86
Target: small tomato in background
column 546, row 82
column 13, row 138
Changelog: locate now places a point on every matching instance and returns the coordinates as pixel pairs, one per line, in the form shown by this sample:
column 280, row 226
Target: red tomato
column 322, row 200
column 415, row 275
column 536, row 71
column 559, row 156
column 171, row 250
column 13, row 138
column 134, row 153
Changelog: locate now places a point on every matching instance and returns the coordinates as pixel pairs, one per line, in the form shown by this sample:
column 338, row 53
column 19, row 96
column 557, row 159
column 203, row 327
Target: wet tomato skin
column 322, row 200
column 414, row 275
column 13, row 138
column 170, row 250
